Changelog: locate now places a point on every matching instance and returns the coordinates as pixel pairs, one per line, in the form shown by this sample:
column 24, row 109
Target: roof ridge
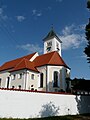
column 55, row 52
column 19, row 62
column 25, row 62
column 52, row 56
column 45, row 54
column 63, row 61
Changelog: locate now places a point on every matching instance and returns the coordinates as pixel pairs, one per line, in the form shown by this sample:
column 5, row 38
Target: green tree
column 87, row 49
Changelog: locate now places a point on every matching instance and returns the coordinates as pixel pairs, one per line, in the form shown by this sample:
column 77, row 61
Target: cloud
column 1, row 11
column 36, row 13
column 39, row 14
column 5, row 21
column 72, row 36
column 83, row 55
column 2, row 15
column 20, row 18
column 31, row 48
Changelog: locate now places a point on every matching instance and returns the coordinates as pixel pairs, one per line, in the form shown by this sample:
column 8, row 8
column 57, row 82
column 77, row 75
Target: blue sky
column 24, row 24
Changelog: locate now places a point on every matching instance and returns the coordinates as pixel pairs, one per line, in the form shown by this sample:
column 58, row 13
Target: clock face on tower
column 49, row 46
column 48, row 49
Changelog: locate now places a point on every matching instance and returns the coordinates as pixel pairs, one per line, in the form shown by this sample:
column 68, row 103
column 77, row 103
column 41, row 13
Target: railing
column 81, row 92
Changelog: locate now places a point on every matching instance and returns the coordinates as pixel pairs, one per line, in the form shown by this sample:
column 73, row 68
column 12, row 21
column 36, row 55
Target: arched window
column 0, row 82
column 13, row 77
column 19, row 86
column 20, row 76
column 55, row 77
column 32, row 76
column 41, row 80
column 13, row 87
column 8, row 82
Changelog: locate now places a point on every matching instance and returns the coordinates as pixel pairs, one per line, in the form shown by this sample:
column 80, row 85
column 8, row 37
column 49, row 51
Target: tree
column 87, row 49
column 88, row 4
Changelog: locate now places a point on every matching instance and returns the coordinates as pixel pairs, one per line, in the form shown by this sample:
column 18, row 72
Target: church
column 47, row 72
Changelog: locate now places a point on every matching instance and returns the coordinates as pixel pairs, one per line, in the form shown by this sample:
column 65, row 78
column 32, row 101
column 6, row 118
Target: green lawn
column 71, row 117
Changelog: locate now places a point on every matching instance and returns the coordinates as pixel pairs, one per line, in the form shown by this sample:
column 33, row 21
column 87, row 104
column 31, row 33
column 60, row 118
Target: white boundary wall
column 18, row 104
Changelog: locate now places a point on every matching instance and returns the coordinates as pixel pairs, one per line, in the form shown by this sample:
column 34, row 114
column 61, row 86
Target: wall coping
column 35, row 91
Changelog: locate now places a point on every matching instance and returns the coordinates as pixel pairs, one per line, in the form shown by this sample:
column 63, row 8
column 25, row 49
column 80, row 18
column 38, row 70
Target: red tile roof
column 25, row 64
column 51, row 58
column 11, row 64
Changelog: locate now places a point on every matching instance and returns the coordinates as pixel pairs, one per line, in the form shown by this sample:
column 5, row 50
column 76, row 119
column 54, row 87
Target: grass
column 69, row 117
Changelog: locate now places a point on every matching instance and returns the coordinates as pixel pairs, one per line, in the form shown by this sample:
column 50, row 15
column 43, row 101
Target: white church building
column 46, row 72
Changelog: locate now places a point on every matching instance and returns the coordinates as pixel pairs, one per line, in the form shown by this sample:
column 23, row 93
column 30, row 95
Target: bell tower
column 52, row 42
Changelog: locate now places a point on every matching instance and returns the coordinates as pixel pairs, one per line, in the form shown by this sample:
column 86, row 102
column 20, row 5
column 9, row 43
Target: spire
column 52, row 34
column 52, row 27
column 52, row 42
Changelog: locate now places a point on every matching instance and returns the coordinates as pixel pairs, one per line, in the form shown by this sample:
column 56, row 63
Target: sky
column 24, row 24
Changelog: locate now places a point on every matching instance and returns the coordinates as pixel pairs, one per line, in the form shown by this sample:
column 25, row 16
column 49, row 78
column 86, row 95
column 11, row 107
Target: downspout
column 46, row 79
column 25, row 79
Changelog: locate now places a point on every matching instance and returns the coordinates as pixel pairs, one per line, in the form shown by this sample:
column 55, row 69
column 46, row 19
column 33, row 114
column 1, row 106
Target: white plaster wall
column 25, row 81
column 45, row 45
column 50, row 71
column 18, row 104
column 3, row 76
column 31, row 81
column 63, row 78
column 42, row 69
column 17, row 81
column 54, row 46
column 61, row 82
